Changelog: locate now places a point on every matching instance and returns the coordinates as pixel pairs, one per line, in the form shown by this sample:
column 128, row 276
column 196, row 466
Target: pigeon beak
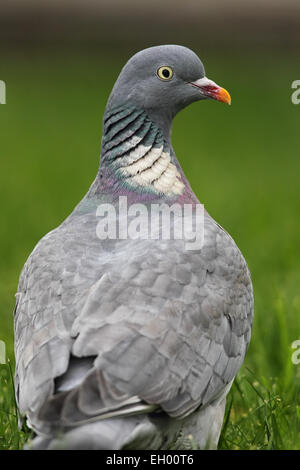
column 210, row 89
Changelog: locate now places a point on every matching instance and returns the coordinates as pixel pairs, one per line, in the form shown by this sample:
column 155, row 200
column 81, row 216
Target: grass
column 243, row 163
column 11, row 437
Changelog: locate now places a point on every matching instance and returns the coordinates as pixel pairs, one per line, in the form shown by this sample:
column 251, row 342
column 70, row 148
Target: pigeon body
column 133, row 343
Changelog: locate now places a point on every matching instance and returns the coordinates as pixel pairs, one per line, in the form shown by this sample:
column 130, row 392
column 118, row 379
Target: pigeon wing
column 163, row 326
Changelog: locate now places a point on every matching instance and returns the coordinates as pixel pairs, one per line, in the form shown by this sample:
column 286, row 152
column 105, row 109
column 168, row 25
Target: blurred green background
column 243, row 163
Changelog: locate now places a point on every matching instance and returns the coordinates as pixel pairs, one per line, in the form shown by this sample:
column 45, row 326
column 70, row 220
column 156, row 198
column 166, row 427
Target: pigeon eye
column 165, row 72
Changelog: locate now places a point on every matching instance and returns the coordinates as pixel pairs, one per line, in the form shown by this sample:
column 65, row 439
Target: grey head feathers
column 152, row 87
column 139, row 84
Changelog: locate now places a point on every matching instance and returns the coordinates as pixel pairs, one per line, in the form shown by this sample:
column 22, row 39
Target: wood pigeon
column 125, row 340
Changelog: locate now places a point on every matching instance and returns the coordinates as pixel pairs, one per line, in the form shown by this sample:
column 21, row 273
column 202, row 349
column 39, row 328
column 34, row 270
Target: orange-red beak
column 210, row 89
column 223, row 95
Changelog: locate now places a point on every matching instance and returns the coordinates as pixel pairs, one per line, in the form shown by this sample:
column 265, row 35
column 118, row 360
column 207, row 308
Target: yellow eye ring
column 165, row 72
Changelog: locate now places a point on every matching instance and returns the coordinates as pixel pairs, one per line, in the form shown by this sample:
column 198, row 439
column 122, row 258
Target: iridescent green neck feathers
column 137, row 153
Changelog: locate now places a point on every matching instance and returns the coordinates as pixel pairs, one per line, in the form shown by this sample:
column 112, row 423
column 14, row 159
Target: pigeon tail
column 134, row 432
column 145, row 431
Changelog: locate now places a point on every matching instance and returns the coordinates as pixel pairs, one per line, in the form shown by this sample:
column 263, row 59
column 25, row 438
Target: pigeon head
column 136, row 148
column 162, row 80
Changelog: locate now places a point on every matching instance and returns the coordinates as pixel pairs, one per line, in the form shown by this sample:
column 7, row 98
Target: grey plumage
column 132, row 343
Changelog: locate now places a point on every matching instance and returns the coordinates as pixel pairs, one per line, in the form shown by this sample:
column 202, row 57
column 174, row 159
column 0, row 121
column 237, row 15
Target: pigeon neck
column 137, row 156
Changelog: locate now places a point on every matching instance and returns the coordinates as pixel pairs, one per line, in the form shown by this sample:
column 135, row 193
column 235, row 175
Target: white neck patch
column 151, row 168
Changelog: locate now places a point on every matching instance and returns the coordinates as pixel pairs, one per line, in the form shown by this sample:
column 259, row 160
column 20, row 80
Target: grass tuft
column 11, row 436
